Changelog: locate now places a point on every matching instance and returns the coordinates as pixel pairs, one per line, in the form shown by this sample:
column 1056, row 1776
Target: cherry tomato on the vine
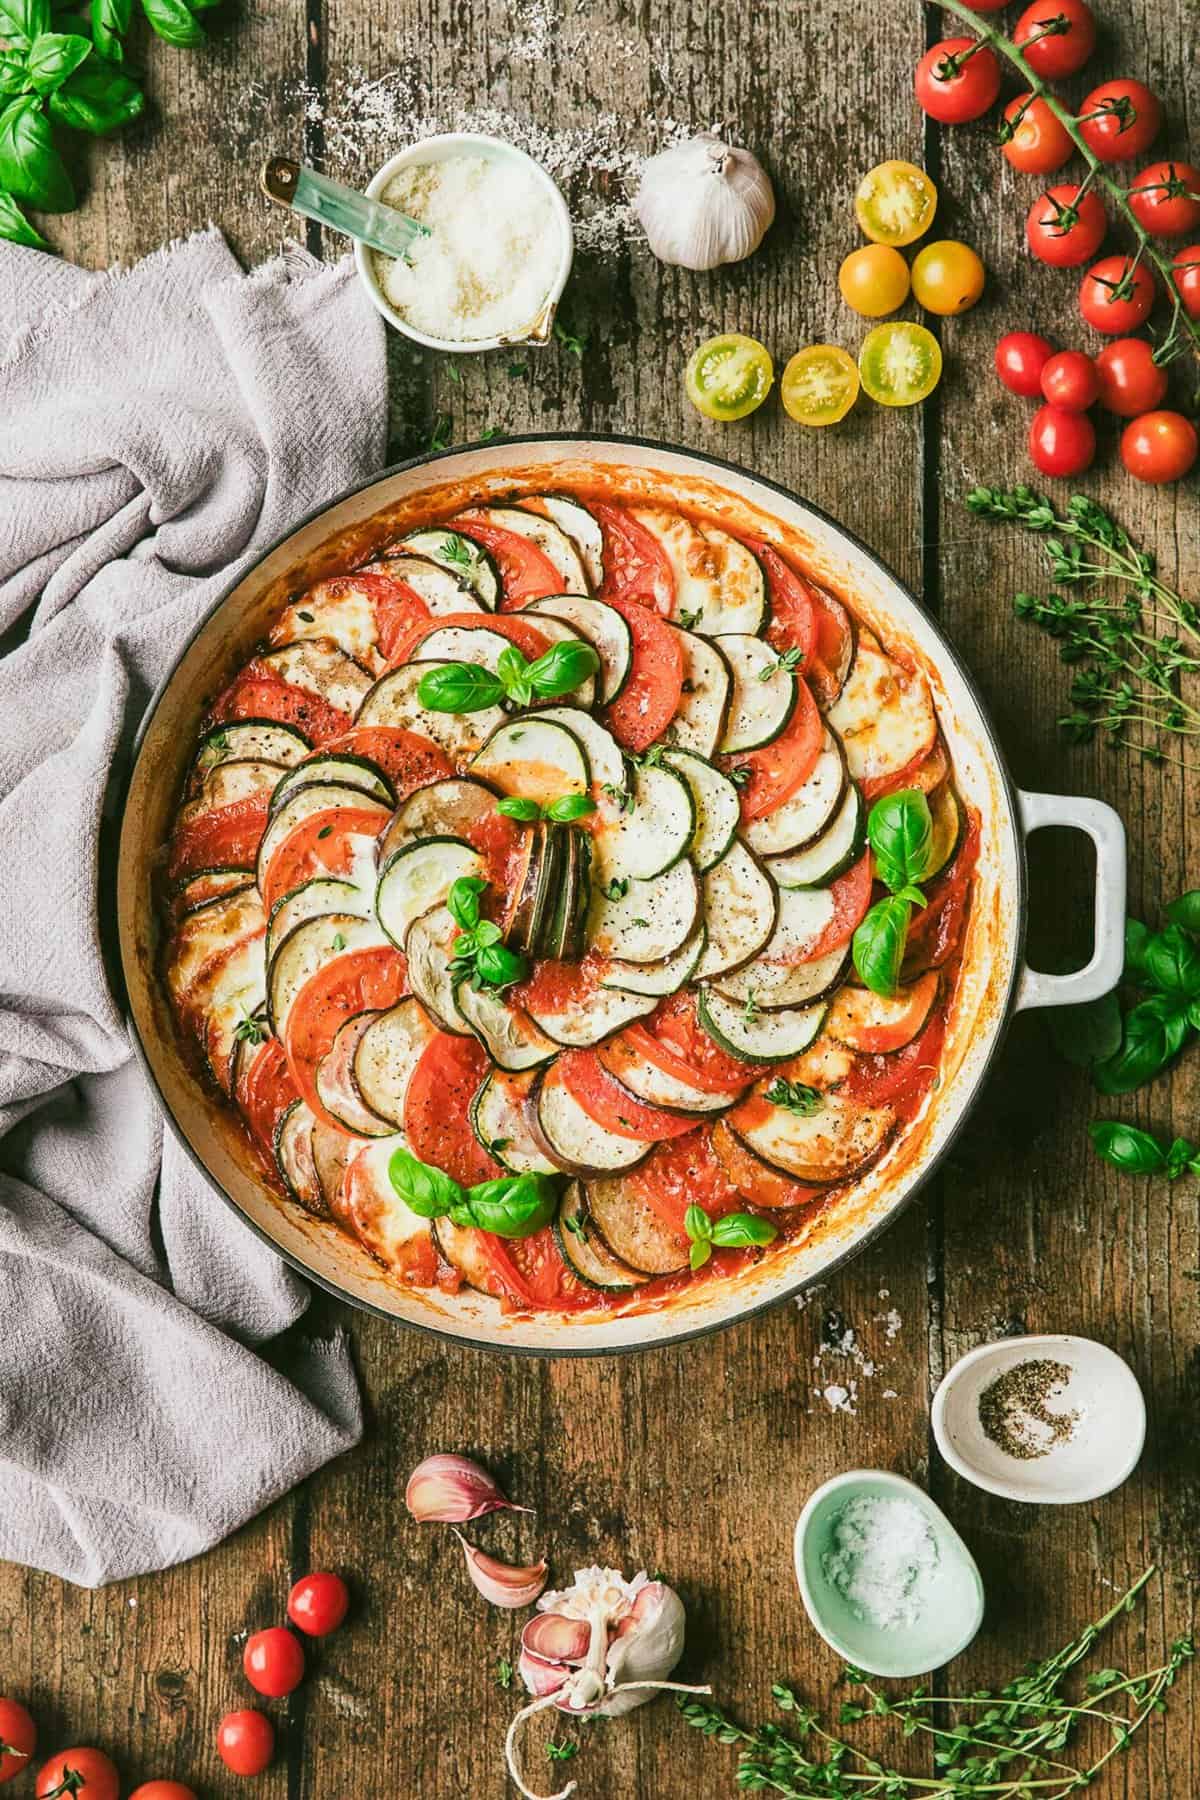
column 1070, row 380
column 1131, row 382
column 819, row 385
column 78, row 1771
column 957, row 80
column 894, row 203
column 1020, row 358
column 18, row 1738
column 1034, row 141
column 1066, row 227
column 874, row 280
column 246, row 1741
column 1061, row 442
column 1165, row 198
column 1116, row 296
column 1187, row 277
column 1159, row 447
column 1119, row 120
column 318, row 1603
column 947, row 277
column 163, row 1790
column 273, row 1661
column 1057, row 37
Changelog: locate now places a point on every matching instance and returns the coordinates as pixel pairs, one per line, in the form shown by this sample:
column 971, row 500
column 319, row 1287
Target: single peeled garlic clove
column 453, row 1489
column 503, row 1584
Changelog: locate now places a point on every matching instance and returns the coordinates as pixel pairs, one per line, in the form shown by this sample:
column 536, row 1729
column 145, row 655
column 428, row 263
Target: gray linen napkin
column 158, row 428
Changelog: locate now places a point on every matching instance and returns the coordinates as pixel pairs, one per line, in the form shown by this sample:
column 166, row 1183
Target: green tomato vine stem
column 1182, row 327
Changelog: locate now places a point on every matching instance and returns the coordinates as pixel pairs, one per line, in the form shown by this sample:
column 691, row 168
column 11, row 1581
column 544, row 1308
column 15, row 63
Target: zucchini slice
column 337, row 1089
column 428, row 948
column 349, row 771
column 828, row 1146
column 321, row 796
column 534, row 896
column 250, row 740
column 464, row 644
column 394, row 702
column 774, row 985
column 840, row 844
column 765, row 1037
column 321, row 668
column 380, row 1220
column 947, row 828
column 386, row 1055
column 740, row 907
column 294, row 1158
column 307, row 948
column 719, row 584
column 808, row 812
column 764, row 694
column 633, row 1230
column 879, row 1023
column 207, row 884
column 418, row 878
column 535, row 756
column 702, row 714
column 507, row 1032
column 572, row 1140
column 499, row 1119
column 581, row 526
column 603, row 628
column 561, row 936
column 718, row 808
column 234, row 992
column 461, row 557
column 591, row 1020
column 646, row 921
column 331, row 1154
column 584, row 1250
column 660, row 978
column 228, row 783
column 884, row 715
column 442, row 589
column 323, row 894
column 646, row 1081
column 605, row 757
column 647, row 840
column 448, row 808
column 543, row 534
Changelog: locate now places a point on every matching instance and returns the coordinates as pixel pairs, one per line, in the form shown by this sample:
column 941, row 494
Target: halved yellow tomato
column 820, row 385
column 900, row 363
column 895, row 203
column 729, row 376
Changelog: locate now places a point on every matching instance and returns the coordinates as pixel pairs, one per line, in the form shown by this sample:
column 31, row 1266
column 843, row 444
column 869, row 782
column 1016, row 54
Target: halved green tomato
column 900, row 363
column 895, row 203
column 820, row 385
column 729, row 376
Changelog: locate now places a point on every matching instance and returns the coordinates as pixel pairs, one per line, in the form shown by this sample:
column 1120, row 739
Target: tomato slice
column 354, row 982
column 684, row 1173
column 225, row 837
column 324, row 844
column 793, row 603
column 650, row 698
column 254, row 696
column 526, row 573
column 408, row 760
column 613, row 1107
column 830, row 653
column 779, row 768
column 267, row 1090
column 436, row 1109
column 895, row 203
column 538, row 1262
column 554, row 986
column 851, row 896
column 522, row 632
column 900, row 363
column 729, row 377
column 934, row 934
column 636, row 567
column 754, row 1179
column 675, row 1042
column 903, row 1075
column 820, row 383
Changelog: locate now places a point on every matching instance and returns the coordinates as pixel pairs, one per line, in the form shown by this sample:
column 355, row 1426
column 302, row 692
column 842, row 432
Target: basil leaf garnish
column 513, row 1206
column 425, row 1190
column 561, row 668
column 736, row 1230
column 459, row 688
column 878, row 944
column 900, row 832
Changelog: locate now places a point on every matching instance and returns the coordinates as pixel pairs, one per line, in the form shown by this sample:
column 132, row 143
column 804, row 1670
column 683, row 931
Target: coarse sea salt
column 883, row 1561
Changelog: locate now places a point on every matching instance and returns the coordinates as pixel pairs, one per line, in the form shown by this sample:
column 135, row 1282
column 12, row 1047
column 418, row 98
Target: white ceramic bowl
column 438, row 149
column 1102, row 1450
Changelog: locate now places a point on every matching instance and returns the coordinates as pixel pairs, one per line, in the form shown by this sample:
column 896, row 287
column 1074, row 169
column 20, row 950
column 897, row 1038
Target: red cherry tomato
column 18, row 1739
column 1020, row 358
column 1070, row 380
column 1187, row 277
column 79, row 1771
column 1120, row 120
column 318, row 1603
column 273, row 1661
column 1165, row 198
column 163, row 1790
column 1159, row 447
column 1061, row 442
column 1057, row 37
column 1065, row 229
column 1116, row 297
column 246, row 1741
column 1131, row 382
column 1039, row 144
column 957, row 80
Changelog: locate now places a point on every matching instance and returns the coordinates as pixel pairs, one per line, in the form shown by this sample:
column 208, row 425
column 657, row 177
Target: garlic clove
column 453, row 1489
column 539, row 1676
column 503, row 1584
column 555, row 1638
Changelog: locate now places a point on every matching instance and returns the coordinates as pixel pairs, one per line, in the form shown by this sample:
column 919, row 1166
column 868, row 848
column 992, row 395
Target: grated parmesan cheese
column 493, row 251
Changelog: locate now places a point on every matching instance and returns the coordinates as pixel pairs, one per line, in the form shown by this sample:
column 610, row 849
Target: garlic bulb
column 703, row 202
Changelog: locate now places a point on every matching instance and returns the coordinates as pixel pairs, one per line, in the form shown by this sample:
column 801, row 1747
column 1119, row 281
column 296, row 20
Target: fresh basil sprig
column 465, row 687
column 559, row 812
column 736, row 1231
column 1164, row 967
column 1141, row 1153
column 478, row 955
column 512, row 1206
column 900, row 833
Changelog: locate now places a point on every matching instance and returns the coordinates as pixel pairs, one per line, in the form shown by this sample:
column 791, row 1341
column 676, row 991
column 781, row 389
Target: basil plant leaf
column 30, row 167
column 1155, row 1032
column 23, row 20
column 98, row 99
column 459, row 688
column 16, row 227
column 1186, row 911
column 1137, row 936
column 173, row 21
column 424, row 1190
column 513, row 1206
column 1137, row 1152
column 878, row 945
column 561, row 668
column 110, row 24
column 54, row 56
column 1172, row 962
column 14, row 71
column 736, row 1230
column 900, row 832
column 1089, row 1034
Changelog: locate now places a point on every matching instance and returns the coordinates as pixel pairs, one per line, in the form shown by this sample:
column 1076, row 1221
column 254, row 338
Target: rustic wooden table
column 696, row 1460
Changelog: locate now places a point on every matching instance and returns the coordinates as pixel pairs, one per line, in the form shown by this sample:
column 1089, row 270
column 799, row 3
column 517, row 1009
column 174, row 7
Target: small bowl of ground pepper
column 1050, row 1420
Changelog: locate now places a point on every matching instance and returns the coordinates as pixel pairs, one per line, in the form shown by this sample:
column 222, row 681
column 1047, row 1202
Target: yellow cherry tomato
column 900, row 363
column 874, row 280
column 947, row 277
column 895, row 203
column 730, row 376
column 820, row 385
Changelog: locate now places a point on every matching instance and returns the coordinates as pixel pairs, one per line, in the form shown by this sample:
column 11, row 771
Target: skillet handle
column 1106, row 831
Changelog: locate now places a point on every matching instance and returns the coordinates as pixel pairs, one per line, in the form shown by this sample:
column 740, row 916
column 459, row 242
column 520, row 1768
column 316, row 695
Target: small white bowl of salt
column 497, row 251
column 884, row 1576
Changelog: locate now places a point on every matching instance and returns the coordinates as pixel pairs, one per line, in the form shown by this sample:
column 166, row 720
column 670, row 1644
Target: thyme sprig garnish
column 1130, row 652
column 1007, row 1746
